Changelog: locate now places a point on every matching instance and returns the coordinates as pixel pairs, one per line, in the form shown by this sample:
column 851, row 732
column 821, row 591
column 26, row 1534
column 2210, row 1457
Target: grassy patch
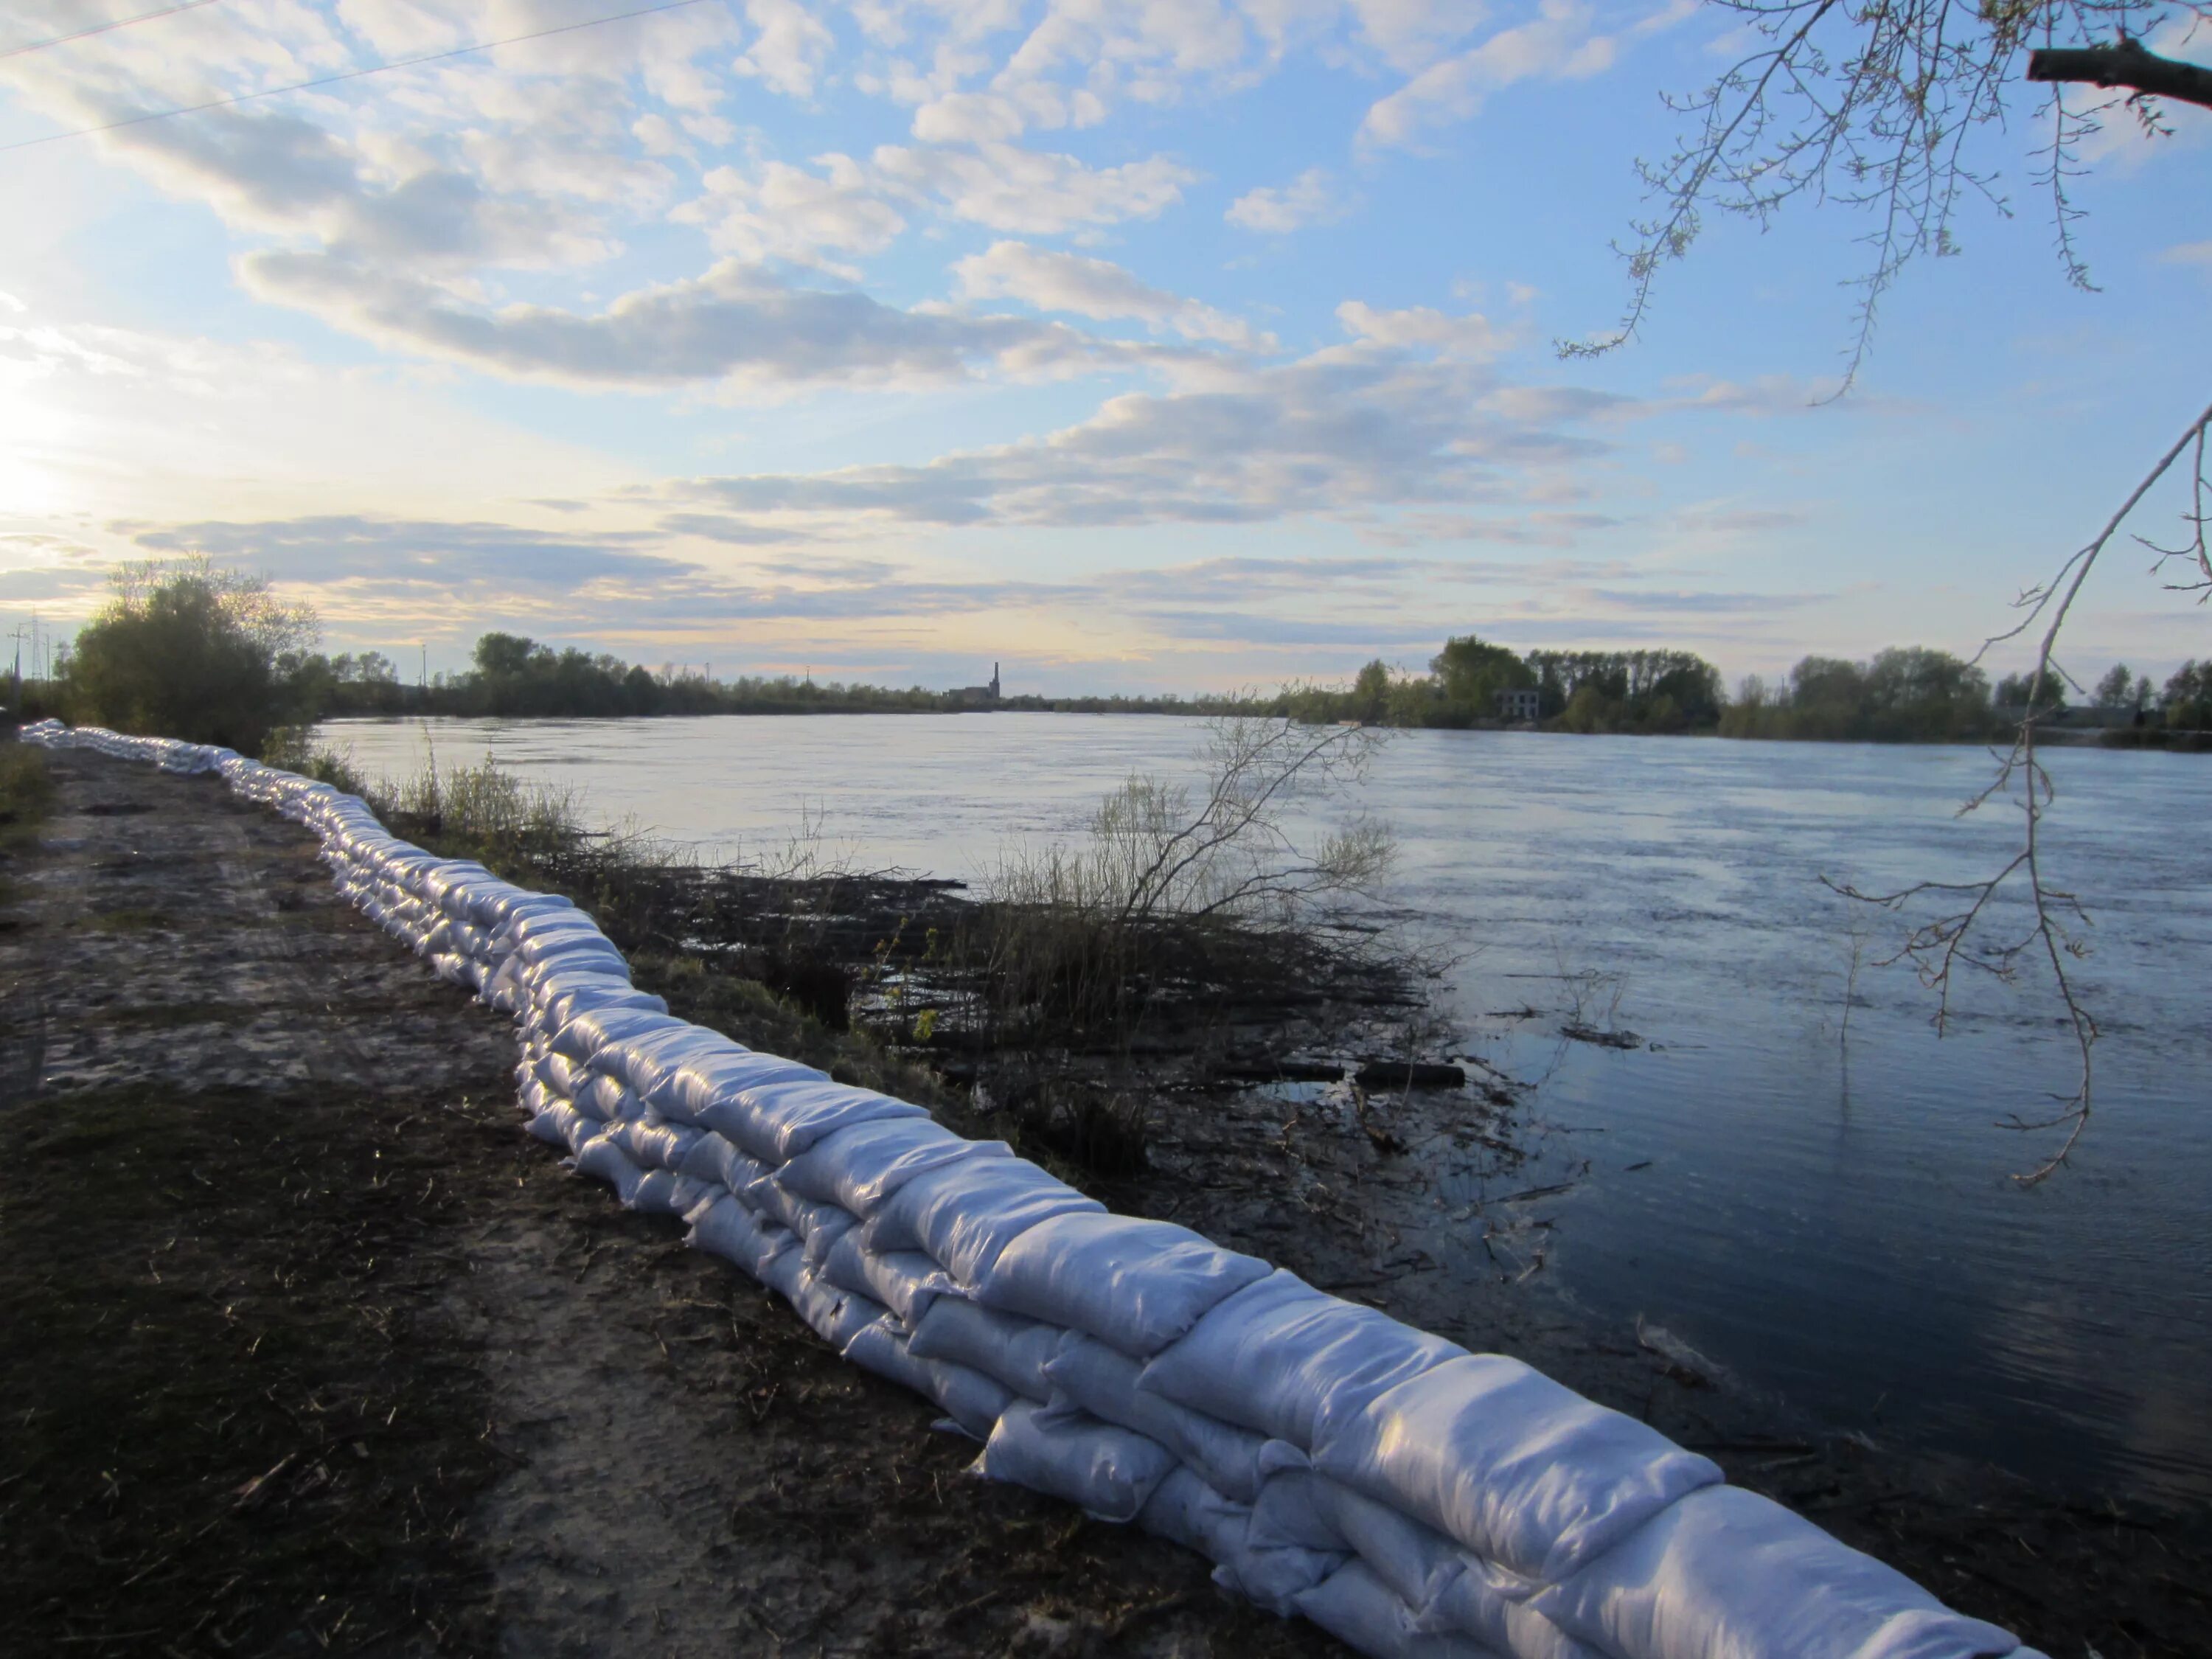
column 235, row 1422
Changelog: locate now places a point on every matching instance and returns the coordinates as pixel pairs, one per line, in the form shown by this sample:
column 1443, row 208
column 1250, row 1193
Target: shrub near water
column 185, row 649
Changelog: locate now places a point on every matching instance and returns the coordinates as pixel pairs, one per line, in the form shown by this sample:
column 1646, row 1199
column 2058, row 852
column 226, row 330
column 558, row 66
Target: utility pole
column 16, row 703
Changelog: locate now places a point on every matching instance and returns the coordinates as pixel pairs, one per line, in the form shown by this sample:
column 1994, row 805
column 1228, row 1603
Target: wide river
column 1825, row 1212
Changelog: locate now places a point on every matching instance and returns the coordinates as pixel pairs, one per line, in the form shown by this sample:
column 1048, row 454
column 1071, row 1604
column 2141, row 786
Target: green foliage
column 2016, row 693
column 2188, row 700
column 1641, row 691
column 1469, row 674
column 1904, row 695
column 186, row 649
column 2117, row 689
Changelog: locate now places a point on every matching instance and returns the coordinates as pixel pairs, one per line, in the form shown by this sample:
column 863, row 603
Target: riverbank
column 148, row 881
column 330, row 1356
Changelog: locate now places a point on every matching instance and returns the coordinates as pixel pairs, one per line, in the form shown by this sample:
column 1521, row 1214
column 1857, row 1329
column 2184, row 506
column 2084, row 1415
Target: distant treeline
column 189, row 649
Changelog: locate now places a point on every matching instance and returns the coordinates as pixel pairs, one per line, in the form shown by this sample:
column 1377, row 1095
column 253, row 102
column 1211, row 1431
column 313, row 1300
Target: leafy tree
column 1370, row 692
column 2117, row 689
column 2188, row 699
column 185, row 649
column 1470, row 673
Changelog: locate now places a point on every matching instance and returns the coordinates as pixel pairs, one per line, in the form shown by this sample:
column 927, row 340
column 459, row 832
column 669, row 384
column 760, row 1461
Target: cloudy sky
column 1137, row 344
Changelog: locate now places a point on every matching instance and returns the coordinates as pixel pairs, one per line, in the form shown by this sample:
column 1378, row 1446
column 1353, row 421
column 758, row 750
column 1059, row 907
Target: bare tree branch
column 2126, row 62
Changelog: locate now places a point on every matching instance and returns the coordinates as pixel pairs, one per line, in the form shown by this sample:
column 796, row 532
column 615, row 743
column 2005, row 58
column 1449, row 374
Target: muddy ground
column 311, row 1350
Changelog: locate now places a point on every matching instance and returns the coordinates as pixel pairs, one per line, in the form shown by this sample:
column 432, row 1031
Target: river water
column 1822, row 1209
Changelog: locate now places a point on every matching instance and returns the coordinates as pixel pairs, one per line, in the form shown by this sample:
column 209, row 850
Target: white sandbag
column 1109, row 1471
column 836, row 1315
column 642, row 1061
column 1186, row 1509
column 559, row 1073
column 562, row 997
column 664, row 1192
column 1359, row 1609
column 964, row 1214
column 1103, row 1380
column 563, row 1126
column 1136, row 1285
column 726, row 1228
column 821, row 1227
column 1484, row 1603
column 653, row 1142
column 602, row 1098
column 905, row 1281
column 777, row 1120
column 603, row 1160
column 1014, row 1351
column 1306, row 1508
column 706, row 1090
column 859, row 1167
column 1284, row 1359
column 714, row 1157
column 971, row 1398
column 1519, row 1469
column 592, row 1029
column 1726, row 1574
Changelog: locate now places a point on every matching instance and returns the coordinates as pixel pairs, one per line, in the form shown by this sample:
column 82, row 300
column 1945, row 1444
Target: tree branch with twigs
column 1959, row 937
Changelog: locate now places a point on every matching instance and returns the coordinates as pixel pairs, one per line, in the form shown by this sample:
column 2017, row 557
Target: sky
column 1132, row 345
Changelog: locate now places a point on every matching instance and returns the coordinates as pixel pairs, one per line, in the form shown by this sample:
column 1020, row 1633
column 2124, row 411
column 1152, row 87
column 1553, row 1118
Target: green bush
column 186, row 649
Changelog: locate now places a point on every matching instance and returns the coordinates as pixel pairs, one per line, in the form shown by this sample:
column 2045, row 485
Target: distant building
column 979, row 696
column 1519, row 702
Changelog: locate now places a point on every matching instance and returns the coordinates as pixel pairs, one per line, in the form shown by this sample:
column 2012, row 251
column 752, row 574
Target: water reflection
column 1829, row 1215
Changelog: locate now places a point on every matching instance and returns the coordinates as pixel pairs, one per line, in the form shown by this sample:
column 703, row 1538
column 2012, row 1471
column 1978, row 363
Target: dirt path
column 311, row 1350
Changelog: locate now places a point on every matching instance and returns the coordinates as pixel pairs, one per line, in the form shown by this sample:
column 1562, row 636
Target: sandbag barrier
column 1414, row 1499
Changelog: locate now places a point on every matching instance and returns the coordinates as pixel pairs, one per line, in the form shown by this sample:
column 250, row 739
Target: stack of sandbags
column 1413, row 1497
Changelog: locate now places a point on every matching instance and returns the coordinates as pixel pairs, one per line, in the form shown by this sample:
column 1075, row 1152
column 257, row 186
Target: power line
column 102, row 28
column 349, row 75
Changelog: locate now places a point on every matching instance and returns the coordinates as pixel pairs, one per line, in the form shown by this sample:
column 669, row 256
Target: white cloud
column 737, row 324
column 787, row 53
column 785, row 212
column 1558, row 44
column 1349, row 430
column 1032, row 192
column 1095, row 289
column 1309, row 199
column 1471, row 336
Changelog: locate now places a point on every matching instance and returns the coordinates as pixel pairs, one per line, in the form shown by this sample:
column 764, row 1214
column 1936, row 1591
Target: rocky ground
column 324, row 1355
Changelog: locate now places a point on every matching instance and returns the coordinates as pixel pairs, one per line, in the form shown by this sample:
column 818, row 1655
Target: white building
column 1517, row 703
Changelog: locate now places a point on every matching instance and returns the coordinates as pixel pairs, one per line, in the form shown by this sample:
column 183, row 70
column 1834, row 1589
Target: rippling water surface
column 1825, row 1212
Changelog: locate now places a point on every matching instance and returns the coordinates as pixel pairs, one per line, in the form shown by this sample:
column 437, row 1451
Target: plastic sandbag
column 906, row 1281
column 1136, row 1285
column 642, row 1061
column 836, row 1315
column 585, row 1035
column 1726, row 1574
column 714, row 1157
column 664, row 1192
column 1473, row 1604
column 971, row 1398
column 604, row 1098
column 653, row 1142
column 1185, row 1508
column 778, row 1120
column 1521, row 1470
column 563, row 1125
column 706, row 1090
column 564, row 997
column 1358, row 1608
column 1286, row 1359
column 603, row 1160
column 1303, row 1508
column 964, row 1214
column 1013, row 1350
column 1104, row 1382
column 1110, row 1472
column 727, row 1228
column 858, row 1167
